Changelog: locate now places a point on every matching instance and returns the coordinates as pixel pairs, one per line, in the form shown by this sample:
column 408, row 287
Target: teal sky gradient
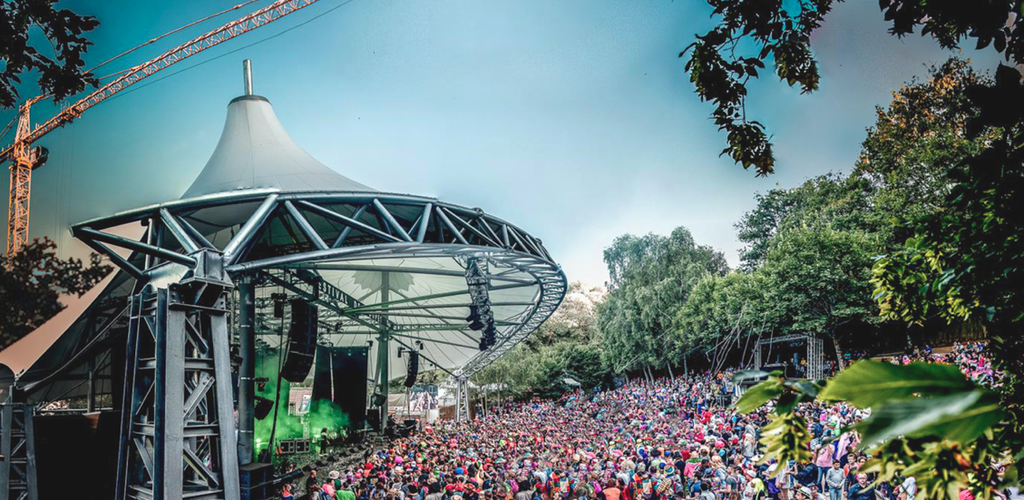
column 571, row 118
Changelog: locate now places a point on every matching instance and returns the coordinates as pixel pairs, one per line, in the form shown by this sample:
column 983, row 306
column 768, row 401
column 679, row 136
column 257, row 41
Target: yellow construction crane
column 25, row 158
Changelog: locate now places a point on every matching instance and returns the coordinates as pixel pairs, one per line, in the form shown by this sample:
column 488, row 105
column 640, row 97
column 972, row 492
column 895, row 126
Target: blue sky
column 571, row 118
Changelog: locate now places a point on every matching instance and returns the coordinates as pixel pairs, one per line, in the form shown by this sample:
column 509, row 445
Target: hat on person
column 334, row 474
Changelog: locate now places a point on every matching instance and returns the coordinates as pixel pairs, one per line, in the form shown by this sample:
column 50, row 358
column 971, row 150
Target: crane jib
column 25, row 159
column 190, row 48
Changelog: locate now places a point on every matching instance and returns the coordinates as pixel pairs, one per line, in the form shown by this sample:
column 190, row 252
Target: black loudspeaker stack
column 412, row 368
column 348, row 367
column 256, row 481
column 323, row 388
column 301, row 346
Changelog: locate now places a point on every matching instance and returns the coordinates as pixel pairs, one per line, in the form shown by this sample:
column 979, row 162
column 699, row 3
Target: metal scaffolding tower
column 815, row 353
column 178, row 436
column 17, row 444
column 462, row 399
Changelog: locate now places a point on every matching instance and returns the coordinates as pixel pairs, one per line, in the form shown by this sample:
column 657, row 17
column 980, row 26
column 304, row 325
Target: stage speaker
column 256, row 481
column 322, row 386
column 412, row 368
column 348, row 365
column 301, row 345
column 263, row 407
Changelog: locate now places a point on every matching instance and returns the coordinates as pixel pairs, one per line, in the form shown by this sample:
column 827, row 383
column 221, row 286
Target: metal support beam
column 178, row 232
column 387, row 305
column 348, row 229
column 116, row 259
column 354, row 224
column 461, row 399
column 247, row 371
column 451, row 227
column 238, row 245
column 305, row 226
column 17, row 444
column 421, row 231
column 424, row 356
column 89, row 233
column 390, row 219
column 383, row 350
column 479, row 234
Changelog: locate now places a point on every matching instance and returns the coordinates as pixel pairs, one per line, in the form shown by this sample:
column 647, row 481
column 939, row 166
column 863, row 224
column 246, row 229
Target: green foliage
column 914, row 143
column 968, row 260
column 716, row 306
column 833, row 201
column 757, row 396
column 60, row 74
column 650, row 278
column 753, row 32
column 819, row 279
column 720, row 67
column 786, row 437
column 959, row 418
column 927, row 421
column 868, row 383
column 31, row 283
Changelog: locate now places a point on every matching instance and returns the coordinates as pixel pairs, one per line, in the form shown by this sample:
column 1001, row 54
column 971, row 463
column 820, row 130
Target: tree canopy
column 650, row 277
column 944, row 170
column 61, row 73
column 31, row 283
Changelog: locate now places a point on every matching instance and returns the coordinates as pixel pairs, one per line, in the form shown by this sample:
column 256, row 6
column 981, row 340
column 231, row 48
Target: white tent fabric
column 255, row 151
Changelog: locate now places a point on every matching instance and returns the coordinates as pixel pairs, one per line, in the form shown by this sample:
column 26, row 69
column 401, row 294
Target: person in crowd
column 862, row 490
column 835, row 481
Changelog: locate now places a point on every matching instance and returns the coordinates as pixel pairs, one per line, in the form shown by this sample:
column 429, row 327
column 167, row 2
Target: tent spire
column 247, row 74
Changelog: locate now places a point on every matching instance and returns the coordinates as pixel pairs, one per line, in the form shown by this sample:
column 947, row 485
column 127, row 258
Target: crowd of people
column 673, row 439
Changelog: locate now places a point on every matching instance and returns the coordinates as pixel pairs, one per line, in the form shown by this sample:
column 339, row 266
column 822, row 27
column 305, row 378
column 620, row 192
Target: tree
column 953, row 164
column 61, row 74
column 819, row 279
column 752, row 33
column 719, row 306
column 967, row 260
column 650, row 278
column 832, row 200
column 32, row 282
column 914, row 143
column 575, row 320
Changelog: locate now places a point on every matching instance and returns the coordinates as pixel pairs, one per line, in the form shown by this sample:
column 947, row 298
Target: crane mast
column 24, row 158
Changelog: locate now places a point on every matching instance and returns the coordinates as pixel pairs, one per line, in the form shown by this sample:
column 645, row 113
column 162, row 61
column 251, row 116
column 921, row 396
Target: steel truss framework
column 17, row 444
column 371, row 230
column 815, row 353
column 177, row 425
column 181, row 314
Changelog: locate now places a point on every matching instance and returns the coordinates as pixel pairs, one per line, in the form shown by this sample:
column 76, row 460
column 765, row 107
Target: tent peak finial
column 247, row 74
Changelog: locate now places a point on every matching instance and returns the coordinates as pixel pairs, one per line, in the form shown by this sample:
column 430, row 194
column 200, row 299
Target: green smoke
column 322, row 413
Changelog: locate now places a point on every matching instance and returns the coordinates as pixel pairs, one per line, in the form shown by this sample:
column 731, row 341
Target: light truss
column 344, row 231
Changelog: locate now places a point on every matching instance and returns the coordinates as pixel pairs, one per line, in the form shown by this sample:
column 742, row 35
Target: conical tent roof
column 255, row 151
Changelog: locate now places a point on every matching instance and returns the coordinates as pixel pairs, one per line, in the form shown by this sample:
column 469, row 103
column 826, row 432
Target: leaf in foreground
column 959, row 418
column 868, row 383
